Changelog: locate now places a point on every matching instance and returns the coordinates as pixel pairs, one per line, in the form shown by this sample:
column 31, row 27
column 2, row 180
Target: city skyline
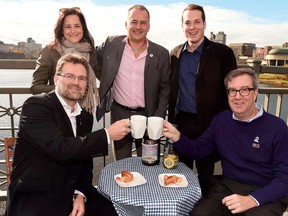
column 240, row 23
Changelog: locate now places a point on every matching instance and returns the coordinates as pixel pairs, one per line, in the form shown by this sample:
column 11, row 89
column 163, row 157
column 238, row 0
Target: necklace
column 136, row 49
column 143, row 46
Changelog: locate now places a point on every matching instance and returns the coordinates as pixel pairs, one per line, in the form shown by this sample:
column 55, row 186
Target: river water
column 15, row 77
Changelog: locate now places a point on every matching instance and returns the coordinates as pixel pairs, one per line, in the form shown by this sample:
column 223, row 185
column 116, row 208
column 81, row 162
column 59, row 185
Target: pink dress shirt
column 128, row 86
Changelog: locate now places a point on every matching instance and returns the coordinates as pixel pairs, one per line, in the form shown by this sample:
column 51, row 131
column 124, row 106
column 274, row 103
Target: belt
column 136, row 109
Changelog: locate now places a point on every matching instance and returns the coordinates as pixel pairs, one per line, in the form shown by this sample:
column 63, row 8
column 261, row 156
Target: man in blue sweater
column 253, row 149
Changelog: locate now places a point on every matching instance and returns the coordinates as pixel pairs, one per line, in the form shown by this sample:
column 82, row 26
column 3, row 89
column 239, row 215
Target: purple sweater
column 254, row 153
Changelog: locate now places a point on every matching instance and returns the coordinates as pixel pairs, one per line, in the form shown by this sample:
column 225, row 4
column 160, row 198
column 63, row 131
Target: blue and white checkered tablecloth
column 150, row 198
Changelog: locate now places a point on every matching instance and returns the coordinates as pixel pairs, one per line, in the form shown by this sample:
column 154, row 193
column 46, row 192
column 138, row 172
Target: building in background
column 219, row 38
column 285, row 45
column 30, row 48
column 243, row 49
column 10, row 51
column 24, row 50
column 277, row 57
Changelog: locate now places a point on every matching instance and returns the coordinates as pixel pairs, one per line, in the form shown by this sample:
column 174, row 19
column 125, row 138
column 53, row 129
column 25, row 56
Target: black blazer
column 215, row 62
column 49, row 162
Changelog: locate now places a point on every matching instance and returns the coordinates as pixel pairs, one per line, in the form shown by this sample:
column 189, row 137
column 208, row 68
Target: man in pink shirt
column 134, row 75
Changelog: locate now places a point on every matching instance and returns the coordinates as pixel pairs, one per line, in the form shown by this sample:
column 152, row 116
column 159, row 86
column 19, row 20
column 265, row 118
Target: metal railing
column 273, row 99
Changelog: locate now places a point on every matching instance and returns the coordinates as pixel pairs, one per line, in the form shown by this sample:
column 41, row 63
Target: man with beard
column 52, row 167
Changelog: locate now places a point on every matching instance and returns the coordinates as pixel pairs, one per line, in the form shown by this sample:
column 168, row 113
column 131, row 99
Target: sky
column 261, row 22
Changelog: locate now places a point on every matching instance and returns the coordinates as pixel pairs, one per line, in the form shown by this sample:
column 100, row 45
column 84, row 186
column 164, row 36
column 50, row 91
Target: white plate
column 184, row 182
column 138, row 179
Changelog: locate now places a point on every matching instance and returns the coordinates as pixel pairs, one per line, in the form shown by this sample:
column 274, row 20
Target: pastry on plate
column 172, row 179
column 126, row 177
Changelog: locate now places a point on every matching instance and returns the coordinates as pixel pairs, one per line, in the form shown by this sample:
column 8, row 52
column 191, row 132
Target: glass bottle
column 150, row 152
column 170, row 156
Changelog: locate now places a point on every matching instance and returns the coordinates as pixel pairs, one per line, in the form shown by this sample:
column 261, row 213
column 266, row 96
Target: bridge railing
column 274, row 100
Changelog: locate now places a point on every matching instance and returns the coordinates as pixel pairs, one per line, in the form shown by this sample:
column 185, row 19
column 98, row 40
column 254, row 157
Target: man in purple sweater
column 253, row 149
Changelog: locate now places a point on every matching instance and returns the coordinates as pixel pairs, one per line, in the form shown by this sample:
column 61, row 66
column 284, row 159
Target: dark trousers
column 187, row 124
column 123, row 147
column 33, row 204
column 211, row 203
column 98, row 205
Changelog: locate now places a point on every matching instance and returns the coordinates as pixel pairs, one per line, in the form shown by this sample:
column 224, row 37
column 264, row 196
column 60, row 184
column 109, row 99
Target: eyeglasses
column 243, row 91
column 72, row 77
column 63, row 10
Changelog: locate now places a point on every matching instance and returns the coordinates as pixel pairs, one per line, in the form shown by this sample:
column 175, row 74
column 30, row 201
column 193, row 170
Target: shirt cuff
column 254, row 200
column 77, row 192
column 108, row 138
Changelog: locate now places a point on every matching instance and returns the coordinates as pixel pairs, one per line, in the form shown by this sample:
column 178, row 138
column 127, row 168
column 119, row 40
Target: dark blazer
column 156, row 74
column 49, row 162
column 215, row 62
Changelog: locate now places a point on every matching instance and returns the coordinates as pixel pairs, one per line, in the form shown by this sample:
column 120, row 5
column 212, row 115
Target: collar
column 259, row 114
column 198, row 49
column 67, row 108
column 125, row 40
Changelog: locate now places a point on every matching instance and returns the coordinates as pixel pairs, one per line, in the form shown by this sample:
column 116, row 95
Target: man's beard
column 72, row 96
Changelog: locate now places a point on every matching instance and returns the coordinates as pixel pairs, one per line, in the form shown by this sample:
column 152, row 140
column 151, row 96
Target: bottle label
column 149, row 152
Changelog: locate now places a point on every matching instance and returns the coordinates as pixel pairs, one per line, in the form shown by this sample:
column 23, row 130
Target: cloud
column 36, row 19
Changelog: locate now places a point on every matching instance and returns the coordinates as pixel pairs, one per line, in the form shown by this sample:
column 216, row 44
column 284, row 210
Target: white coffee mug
column 138, row 126
column 155, row 127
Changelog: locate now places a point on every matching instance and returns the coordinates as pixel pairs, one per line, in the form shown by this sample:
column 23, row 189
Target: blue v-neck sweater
column 254, row 153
